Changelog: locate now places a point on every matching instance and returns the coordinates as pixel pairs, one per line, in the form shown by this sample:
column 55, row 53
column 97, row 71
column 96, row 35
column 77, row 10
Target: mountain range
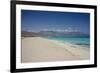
column 51, row 33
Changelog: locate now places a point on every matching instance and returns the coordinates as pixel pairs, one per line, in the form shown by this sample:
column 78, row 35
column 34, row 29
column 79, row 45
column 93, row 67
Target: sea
column 83, row 41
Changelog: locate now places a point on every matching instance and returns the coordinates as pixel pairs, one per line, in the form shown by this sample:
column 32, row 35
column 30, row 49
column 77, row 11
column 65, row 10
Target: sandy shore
column 37, row 49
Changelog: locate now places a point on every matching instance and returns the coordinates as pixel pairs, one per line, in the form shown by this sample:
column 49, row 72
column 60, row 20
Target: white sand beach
column 38, row 49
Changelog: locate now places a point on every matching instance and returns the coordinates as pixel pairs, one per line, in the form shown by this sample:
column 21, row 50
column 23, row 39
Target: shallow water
column 77, row 40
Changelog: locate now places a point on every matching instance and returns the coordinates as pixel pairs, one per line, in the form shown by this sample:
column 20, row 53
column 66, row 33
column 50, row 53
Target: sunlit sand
column 38, row 49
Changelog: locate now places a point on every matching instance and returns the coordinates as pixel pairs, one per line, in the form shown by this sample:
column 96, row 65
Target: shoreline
column 72, row 44
column 38, row 49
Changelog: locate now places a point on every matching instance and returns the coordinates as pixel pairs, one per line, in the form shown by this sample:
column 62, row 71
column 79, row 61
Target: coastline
column 38, row 49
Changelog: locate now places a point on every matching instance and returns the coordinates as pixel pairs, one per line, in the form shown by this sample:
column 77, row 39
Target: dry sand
column 37, row 49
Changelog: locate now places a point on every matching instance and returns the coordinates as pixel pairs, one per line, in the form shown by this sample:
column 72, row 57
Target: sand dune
column 37, row 49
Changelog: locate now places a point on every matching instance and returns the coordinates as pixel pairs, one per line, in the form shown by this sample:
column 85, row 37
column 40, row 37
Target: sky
column 35, row 21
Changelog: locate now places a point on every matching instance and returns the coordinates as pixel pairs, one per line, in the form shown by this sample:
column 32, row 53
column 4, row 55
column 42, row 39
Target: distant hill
column 51, row 33
column 28, row 34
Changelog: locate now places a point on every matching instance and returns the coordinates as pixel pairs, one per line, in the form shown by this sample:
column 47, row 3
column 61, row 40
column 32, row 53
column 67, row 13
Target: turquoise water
column 77, row 40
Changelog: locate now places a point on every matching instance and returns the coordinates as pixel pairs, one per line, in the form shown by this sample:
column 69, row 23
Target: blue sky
column 39, row 20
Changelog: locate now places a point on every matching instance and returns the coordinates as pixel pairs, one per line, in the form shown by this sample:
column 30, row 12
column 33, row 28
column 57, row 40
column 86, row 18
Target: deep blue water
column 78, row 40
